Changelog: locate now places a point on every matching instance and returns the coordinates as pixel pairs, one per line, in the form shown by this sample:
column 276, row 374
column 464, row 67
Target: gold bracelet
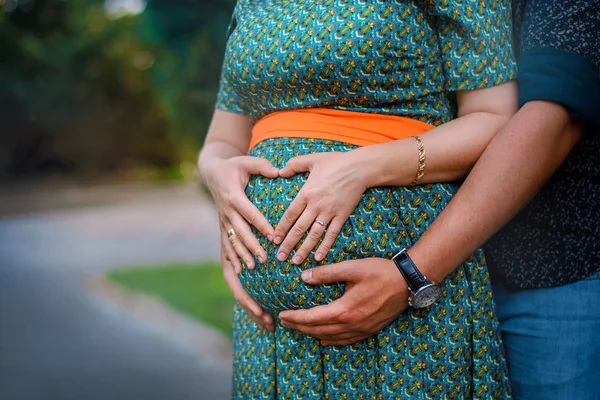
column 421, row 168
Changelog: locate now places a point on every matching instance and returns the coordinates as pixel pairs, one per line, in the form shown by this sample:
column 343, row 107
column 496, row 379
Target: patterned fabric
column 392, row 57
column 555, row 240
column 450, row 351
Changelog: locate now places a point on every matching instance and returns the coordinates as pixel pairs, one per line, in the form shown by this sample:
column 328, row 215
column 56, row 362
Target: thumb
column 346, row 271
column 298, row 164
column 259, row 166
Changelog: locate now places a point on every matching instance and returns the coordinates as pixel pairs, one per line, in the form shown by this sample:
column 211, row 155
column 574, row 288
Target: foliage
column 84, row 91
column 196, row 290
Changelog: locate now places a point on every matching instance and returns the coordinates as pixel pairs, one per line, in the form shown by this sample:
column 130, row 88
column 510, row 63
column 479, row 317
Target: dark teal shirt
column 555, row 240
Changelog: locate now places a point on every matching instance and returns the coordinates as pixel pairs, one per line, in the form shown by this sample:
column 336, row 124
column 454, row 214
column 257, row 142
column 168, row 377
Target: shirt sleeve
column 560, row 56
column 228, row 99
column 475, row 40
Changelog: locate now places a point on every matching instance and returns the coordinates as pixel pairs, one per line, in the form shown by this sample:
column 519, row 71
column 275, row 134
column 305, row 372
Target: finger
column 222, row 253
column 327, row 314
column 312, row 239
column 347, row 271
column 240, row 295
column 348, row 335
column 333, row 230
column 268, row 320
column 259, row 166
column 298, row 164
column 257, row 320
column 230, row 254
column 243, row 240
column 295, row 234
column 251, row 307
column 318, row 331
column 253, row 216
column 238, row 252
column 293, row 212
column 345, row 342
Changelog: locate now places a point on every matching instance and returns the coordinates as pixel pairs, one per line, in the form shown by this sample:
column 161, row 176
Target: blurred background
column 109, row 281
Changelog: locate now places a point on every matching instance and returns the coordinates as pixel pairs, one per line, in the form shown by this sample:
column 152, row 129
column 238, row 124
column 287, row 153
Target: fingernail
column 297, row 260
column 260, row 259
column 281, row 256
column 277, row 240
column 319, row 256
column 283, row 323
column 250, row 264
column 270, row 237
column 307, row 275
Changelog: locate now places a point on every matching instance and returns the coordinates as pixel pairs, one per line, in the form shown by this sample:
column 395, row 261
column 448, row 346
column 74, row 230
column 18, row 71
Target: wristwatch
column 423, row 292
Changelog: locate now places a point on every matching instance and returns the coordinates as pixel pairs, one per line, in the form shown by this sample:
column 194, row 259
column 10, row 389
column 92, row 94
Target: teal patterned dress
column 396, row 57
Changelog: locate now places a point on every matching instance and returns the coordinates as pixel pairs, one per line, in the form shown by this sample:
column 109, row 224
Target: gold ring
column 230, row 233
column 320, row 222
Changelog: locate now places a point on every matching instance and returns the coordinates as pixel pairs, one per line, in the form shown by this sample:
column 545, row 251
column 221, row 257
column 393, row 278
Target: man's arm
column 515, row 165
column 558, row 74
column 559, row 84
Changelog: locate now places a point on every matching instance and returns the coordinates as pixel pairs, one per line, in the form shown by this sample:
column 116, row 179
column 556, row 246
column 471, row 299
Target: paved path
column 57, row 342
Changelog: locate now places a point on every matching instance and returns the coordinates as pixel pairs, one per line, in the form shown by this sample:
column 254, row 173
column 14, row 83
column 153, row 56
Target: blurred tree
column 84, row 91
column 194, row 33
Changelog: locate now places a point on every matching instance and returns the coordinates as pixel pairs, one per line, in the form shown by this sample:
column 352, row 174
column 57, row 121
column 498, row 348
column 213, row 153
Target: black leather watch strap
column 409, row 271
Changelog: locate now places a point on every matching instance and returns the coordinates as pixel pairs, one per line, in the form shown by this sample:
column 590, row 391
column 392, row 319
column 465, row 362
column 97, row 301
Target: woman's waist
column 349, row 127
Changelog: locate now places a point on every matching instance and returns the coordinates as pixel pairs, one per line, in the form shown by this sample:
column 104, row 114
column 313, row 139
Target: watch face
column 426, row 296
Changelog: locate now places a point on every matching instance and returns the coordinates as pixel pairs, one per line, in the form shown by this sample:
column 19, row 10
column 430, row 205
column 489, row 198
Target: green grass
column 197, row 290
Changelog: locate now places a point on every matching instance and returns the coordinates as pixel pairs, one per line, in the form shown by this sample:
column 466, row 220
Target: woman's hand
column 334, row 188
column 229, row 260
column 227, row 180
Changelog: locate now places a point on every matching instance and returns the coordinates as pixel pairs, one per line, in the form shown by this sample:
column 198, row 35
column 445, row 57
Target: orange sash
column 358, row 128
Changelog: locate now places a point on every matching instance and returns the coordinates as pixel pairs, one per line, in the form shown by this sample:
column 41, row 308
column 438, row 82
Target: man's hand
column 376, row 293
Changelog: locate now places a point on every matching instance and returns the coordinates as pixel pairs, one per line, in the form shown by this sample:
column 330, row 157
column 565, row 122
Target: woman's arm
column 338, row 180
column 228, row 136
column 451, row 149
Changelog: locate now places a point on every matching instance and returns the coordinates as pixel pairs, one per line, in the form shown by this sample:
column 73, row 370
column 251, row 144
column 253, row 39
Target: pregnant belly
column 375, row 229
